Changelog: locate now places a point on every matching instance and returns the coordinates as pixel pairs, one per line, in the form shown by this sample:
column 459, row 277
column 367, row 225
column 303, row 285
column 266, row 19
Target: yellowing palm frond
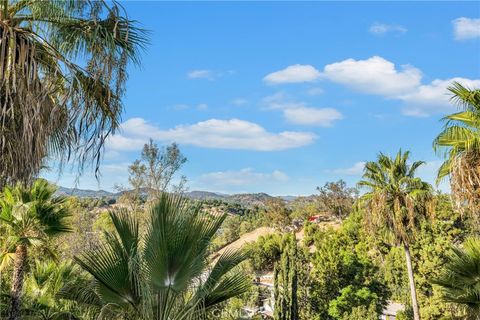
column 459, row 144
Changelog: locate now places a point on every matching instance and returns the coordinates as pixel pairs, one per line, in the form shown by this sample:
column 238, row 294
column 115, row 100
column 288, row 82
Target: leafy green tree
column 277, row 213
column 337, row 199
column 431, row 252
column 30, row 217
column 165, row 273
column 362, row 313
column 265, row 252
column 286, row 281
column 460, row 278
column 63, row 67
column 396, row 203
column 84, row 236
column 349, row 299
column 459, row 142
column 343, row 271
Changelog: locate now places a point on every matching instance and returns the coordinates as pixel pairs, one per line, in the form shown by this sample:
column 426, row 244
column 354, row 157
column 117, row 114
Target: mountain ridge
column 247, row 198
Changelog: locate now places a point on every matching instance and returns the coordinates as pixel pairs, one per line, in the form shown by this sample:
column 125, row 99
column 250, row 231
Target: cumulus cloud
column 119, row 142
column 293, row 74
column 298, row 113
column 433, row 98
column 374, row 75
column 323, row 117
column 355, row 170
column 240, row 178
column 381, row 29
column 466, row 28
column 212, row 133
column 378, row 76
column 200, row 74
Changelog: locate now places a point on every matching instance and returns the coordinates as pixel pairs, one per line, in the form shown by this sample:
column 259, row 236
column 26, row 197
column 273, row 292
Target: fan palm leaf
column 460, row 280
column 167, row 273
column 29, row 217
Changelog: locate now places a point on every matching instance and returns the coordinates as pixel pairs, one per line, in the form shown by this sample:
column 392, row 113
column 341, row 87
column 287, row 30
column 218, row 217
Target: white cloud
column 299, row 113
column 383, row 28
column 374, row 75
column 323, row 117
column 355, row 170
column 201, row 74
column 293, row 74
column 278, row 100
column 433, row 98
column 377, row 76
column 466, row 28
column 241, row 178
column 213, row 133
column 119, row 142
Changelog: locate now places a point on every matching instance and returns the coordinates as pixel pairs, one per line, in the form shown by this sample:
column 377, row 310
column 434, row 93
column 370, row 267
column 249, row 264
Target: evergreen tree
column 286, row 279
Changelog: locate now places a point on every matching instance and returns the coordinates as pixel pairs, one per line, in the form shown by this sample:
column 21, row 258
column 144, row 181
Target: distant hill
column 250, row 199
column 246, row 199
column 85, row 193
column 205, row 195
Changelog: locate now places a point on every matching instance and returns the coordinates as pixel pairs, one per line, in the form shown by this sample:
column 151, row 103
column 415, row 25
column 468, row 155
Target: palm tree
column 45, row 280
column 460, row 280
column 396, row 201
column 30, row 218
column 165, row 274
column 459, row 142
column 62, row 75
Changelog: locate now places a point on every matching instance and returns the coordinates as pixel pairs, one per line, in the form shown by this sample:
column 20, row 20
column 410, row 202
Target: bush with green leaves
column 265, row 252
column 344, row 275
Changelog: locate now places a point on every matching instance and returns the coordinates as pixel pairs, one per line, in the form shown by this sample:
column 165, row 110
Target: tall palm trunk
column 17, row 282
column 411, row 280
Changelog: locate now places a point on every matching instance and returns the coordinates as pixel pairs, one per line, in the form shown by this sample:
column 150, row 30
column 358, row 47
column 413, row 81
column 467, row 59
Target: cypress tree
column 286, row 278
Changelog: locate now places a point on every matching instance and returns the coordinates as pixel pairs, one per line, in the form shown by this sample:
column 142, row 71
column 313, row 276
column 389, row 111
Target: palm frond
column 166, row 274
column 467, row 98
column 62, row 77
column 459, row 281
column 395, row 198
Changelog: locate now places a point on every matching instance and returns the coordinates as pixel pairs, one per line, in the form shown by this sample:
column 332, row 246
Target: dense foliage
column 347, row 272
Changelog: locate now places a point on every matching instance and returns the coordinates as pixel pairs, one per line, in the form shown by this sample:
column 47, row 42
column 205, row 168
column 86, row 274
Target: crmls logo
column 228, row 314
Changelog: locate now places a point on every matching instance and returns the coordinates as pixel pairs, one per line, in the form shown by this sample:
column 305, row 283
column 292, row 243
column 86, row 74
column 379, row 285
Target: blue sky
column 282, row 97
